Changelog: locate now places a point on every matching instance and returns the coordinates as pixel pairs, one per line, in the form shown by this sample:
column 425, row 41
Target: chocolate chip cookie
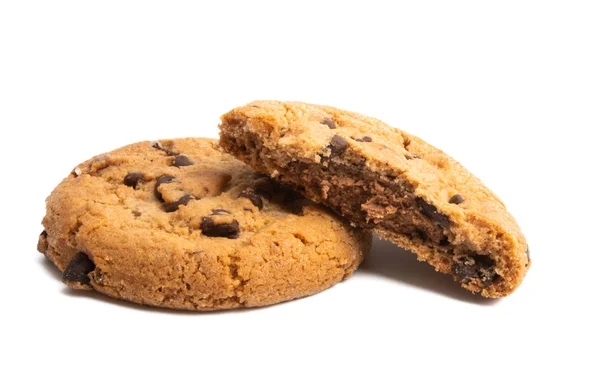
column 384, row 179
column 179, row 224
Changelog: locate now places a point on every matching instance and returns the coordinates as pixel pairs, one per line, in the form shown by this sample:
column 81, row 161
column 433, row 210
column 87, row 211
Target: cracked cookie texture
column 179, row 224
column 386, row 180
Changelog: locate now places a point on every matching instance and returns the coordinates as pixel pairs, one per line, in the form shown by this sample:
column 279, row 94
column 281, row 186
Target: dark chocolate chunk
column 483, row 260
column 251, row 195
column 487, row 274
column 465, row 272
column 457, row 199
column 182, row 161
column 338, row 145
column 481, row 268
column 44, row 234
column 225, row 230
column 432, row 213
column 161, row 180
column 329, row 122
column 78, row 269
column 219, row 212
column 264, row 187
column 132, row 179
column 173, row 206
column 364, row 139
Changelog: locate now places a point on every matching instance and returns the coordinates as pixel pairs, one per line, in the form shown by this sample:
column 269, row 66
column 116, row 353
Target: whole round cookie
column 179, row 224
column 384, row 179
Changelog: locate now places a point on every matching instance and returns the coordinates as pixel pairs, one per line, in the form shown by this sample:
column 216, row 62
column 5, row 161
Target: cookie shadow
column 96, row 296
column 392, row 262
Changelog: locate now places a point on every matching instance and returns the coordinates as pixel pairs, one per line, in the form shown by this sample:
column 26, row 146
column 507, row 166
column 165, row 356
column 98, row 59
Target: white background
column 509, row 88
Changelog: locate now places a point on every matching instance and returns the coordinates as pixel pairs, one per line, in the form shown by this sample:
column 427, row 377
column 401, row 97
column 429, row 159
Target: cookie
column 384, row 179
column 179, row 224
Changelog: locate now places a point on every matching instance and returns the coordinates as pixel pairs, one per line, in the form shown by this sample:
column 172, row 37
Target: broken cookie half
column 384, row 179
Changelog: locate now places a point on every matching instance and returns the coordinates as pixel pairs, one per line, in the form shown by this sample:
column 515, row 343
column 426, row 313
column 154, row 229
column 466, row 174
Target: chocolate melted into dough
column 369, row 200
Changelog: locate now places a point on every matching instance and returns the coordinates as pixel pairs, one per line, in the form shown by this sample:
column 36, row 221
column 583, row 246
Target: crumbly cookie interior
column 371, row 200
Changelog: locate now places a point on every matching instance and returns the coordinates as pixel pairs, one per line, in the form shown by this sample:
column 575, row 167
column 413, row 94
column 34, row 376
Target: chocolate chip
column 219, row 212
column 465, row 272
column 264, row 187
column 78, row 269
column 364, row 139
column 251, row 195
column 484, row 260
column 163, row 179
column 481, row 268
column 225, row 230
column 182, row 161
column 432, row 213
column 457, row 199
column 173, row 206
column 132, row 179
column 329, row 122
column 44, row 234
column 338, row 145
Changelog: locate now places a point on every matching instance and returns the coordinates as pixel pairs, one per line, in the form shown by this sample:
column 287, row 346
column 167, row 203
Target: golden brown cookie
column 384, row 179
column 179, row 224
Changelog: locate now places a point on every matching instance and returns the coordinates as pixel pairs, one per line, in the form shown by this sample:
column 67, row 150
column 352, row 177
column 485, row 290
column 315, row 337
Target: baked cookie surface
column 387, row 180
column 179, row 224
